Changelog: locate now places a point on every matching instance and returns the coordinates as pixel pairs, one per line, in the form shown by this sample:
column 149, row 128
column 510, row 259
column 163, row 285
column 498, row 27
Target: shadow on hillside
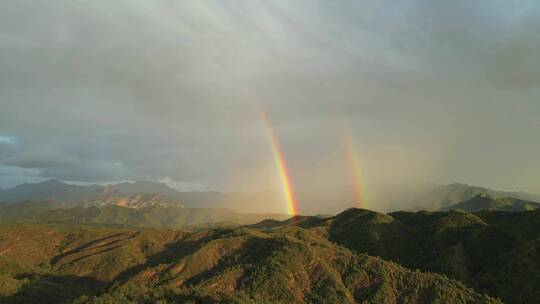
column 98, row 243
column 53, row 289
column 194, row 298
column 171, row 253
column 253, row 252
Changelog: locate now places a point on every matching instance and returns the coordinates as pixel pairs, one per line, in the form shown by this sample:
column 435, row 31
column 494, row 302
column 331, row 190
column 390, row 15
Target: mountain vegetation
column 289, row 264
column 494, row 252
column 126, row 244
column 357, row 255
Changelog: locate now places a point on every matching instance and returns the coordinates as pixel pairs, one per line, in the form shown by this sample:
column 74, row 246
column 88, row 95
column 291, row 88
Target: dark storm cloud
column 96, row 91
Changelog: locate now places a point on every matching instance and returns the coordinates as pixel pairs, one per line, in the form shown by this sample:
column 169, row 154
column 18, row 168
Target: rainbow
column 281, row 165
column 354, row 169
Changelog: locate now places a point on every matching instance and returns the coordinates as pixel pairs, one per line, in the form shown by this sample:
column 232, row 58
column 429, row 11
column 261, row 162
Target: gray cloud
column 98, row 91
column 40, row 157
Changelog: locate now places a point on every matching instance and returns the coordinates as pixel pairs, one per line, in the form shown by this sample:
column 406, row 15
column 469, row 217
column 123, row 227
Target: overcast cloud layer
column 102, row 91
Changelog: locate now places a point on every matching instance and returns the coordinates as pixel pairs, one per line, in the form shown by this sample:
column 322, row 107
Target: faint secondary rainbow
column 281, row 165
column 354, row 169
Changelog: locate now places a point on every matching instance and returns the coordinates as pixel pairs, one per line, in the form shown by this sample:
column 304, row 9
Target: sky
column 428, row 91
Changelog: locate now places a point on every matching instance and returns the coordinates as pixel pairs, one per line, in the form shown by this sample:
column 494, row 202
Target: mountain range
column 151, row 204
column 486, row 202
column 435, row 197
column 138, row 194
column 158, row 211
column 63, row 243
column 144, row 193
column 155, row 216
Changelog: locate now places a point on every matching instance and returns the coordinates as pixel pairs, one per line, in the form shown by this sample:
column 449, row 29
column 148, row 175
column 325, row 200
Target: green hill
column 495, row 252
column 473, row 248
column 244, row 265
column 353, row 256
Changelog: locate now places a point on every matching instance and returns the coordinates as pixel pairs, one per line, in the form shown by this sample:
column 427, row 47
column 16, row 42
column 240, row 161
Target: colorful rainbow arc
column 281, row 165
column 354, row 168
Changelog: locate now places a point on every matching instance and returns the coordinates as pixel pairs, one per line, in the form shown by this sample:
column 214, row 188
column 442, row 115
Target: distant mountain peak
column 485, row 201
column 139, row 200
column 141, row 183
column 53, row 182
column 483, row 196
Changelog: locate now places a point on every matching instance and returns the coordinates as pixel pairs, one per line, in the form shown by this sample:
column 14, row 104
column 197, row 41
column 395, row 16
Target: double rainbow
column 354, row 168
column 281, row 165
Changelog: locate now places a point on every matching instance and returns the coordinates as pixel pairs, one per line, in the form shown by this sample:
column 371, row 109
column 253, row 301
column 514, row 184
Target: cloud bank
column 94, row 91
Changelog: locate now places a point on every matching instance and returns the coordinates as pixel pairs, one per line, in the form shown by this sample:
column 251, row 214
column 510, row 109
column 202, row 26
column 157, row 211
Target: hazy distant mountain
column 60, row 192
column 24, row 209
column 439, row 197
column 47, row 190
column 139, row 200
column 390, row 197
column 156, row 215
column 74, row 195
column 486, row 202
column 143, row 187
